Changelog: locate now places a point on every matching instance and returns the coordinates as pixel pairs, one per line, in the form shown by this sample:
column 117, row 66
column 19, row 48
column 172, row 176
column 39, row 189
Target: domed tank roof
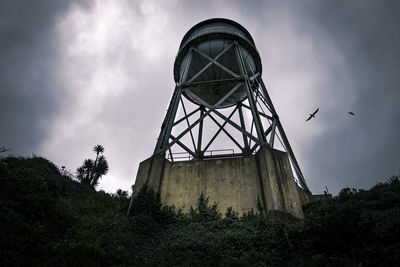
column 216, row 24
column 214, row 37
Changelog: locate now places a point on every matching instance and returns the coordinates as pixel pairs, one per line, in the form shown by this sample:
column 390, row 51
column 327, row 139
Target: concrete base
column 266, row 178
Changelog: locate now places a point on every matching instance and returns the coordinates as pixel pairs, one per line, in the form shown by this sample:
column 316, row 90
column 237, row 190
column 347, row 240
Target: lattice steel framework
column 265, row 125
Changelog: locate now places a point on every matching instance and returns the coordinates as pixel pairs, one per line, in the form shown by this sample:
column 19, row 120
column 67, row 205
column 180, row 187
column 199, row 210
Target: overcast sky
column 74, row 74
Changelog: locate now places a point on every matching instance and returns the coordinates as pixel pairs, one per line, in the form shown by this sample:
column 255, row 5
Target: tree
column 92, row 170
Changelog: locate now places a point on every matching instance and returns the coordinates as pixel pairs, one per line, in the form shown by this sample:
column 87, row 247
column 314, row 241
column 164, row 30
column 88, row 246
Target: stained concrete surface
column 266, row 178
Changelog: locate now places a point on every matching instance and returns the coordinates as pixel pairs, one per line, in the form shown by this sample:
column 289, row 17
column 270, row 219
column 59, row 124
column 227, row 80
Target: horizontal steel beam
column 234, row 155
column 238, row 79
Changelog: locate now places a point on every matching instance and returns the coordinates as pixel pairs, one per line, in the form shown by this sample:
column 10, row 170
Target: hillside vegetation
column 48, row 219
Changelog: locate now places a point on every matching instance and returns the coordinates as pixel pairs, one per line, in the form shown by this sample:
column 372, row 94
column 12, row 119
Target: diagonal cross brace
column 226, row 119
column 216, row 63
column 188, row 124
column 226, row 132
column 182, row 145
column 210, row 63
column 261, row 113
column 202, row 116
column 184, row 117
column 219, row 130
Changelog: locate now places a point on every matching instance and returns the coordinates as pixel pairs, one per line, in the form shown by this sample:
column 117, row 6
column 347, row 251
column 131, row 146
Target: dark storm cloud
column 29, row 91
column 359, row 151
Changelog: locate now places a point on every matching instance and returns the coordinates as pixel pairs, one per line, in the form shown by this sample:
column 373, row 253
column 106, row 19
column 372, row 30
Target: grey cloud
column 360, row 151
column 29, row 91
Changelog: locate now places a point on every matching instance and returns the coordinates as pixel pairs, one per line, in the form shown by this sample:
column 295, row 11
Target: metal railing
column 218, row 150
column 215, row 153
column 177, row 155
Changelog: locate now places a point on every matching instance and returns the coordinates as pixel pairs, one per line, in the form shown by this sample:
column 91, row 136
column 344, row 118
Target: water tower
column 221, row 130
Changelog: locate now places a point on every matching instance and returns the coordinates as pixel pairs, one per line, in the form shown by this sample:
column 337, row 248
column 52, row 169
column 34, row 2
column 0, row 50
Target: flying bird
column 312, row 115
column 352, row 113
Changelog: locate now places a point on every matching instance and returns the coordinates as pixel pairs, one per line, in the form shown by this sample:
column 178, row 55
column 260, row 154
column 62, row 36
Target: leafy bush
column 204, row 211
column 47, row 219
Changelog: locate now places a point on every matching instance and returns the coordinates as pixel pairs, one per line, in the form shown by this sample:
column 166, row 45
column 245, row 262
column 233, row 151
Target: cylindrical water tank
column 212, row 37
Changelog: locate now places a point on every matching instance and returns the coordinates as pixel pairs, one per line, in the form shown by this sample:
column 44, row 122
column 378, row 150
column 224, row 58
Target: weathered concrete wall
column 287, row 186
column 228, row 182
column 277, row 182
column 236, row 182
column 304, row 198
column 150, row 171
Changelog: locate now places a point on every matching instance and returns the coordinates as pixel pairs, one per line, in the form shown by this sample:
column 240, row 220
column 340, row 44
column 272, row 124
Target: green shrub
column 47, row 219
column 204, row 212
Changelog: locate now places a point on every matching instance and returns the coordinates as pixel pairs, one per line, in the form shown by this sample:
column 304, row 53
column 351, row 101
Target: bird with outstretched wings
column 352, row 113
column 312, row 115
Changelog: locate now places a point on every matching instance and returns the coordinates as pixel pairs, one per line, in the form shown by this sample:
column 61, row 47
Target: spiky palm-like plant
column 101, row 168
column 91, row 171
column 98, row 149
column 80, row 175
